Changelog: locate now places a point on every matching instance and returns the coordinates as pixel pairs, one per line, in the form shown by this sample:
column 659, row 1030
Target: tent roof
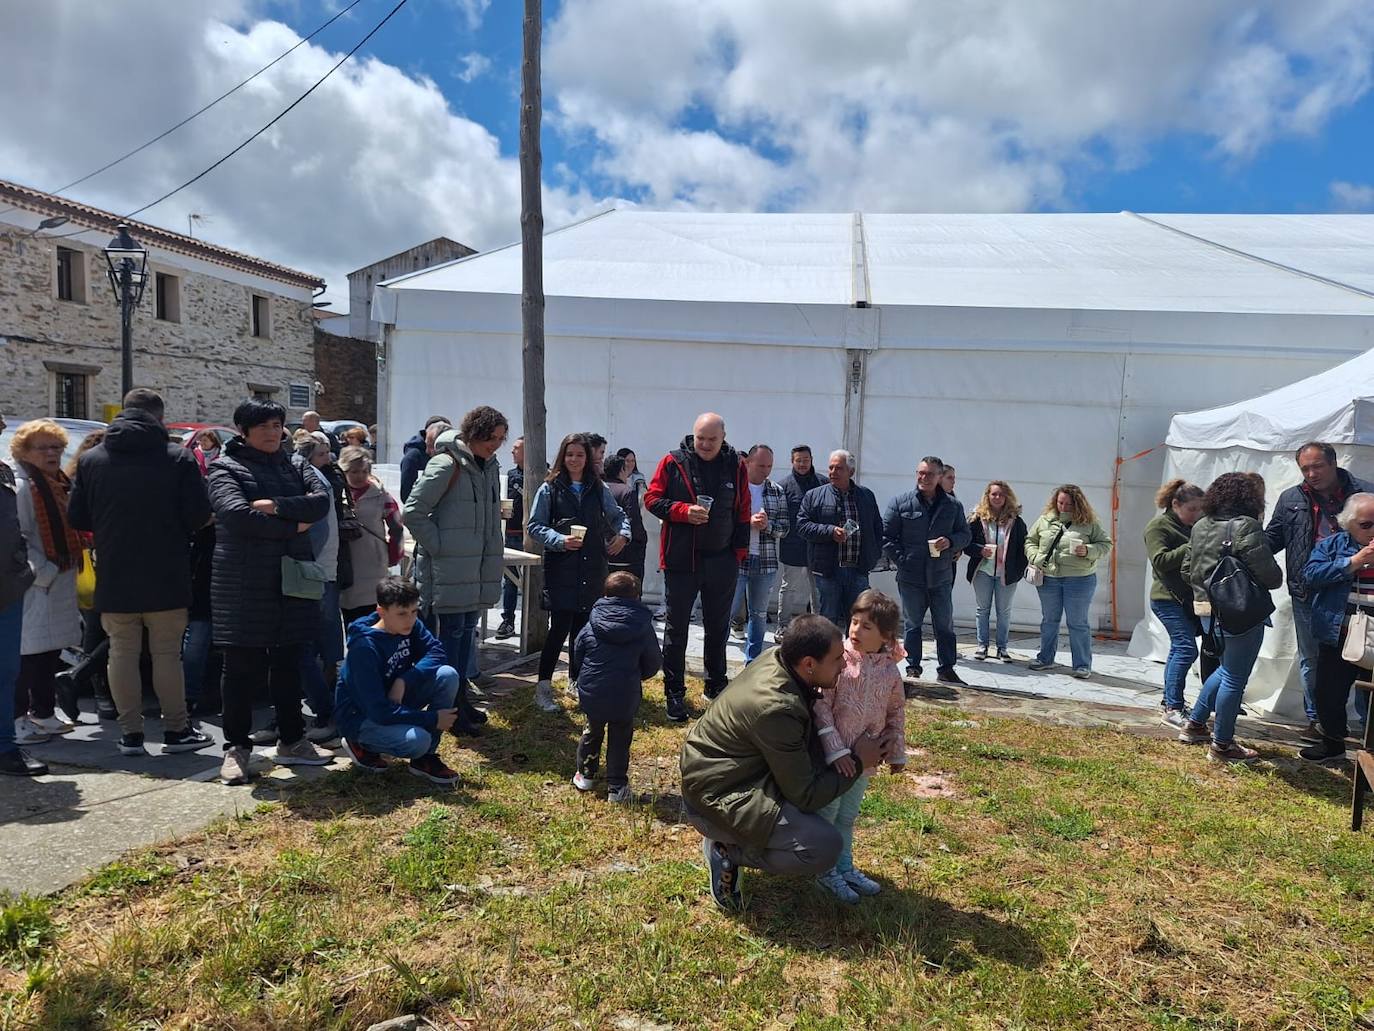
column 1305, row 264
column 1336, row 406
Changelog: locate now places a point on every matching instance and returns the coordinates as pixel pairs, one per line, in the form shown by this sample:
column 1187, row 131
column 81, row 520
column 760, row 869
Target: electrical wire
column 196, row 114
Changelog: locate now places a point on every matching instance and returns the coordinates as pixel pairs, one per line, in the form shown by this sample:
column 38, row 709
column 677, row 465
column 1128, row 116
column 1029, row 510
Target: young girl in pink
column 867, row 699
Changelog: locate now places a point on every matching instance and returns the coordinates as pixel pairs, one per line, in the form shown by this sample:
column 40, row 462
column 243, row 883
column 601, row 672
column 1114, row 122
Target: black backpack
column 1238, row 603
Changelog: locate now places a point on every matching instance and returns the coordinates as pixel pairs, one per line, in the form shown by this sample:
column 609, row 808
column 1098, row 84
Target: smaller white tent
column 1262, row 435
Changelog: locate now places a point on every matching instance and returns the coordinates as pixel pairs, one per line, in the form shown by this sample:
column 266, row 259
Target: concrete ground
column 95, row 804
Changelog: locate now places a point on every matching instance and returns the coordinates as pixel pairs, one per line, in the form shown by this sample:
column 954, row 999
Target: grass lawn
column 1034, row 876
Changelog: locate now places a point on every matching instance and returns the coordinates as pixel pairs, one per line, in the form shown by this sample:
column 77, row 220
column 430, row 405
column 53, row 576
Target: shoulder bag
column 1035, row 574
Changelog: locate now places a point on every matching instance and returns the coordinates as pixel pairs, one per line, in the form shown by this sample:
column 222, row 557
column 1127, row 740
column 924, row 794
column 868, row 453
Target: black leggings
column 35, row 689
column 563, row 626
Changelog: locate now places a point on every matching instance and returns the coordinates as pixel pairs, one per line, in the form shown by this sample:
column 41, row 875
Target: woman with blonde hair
column 1167, row 541
column 52, row 620
column 1064, row 547
column 998, row 554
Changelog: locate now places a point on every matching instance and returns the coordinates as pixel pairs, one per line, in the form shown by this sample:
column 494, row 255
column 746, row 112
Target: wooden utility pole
column 532, row 303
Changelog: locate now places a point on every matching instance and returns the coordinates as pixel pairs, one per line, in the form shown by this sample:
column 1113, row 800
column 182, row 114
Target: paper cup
column 1072, row 541
column 934, row 545
column 577, row 532
column 705, row 501
column 507, row 508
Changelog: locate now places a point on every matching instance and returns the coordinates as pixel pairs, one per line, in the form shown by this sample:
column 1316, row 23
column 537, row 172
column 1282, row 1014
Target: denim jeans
column 990, row 591
column 754, row 589
column 837, row 593
column 843, row 812
column 509, row 594
column 195, row 657
column 916, row 599
column 1067, row 597
column 1225, row 688
column 406, row 740
column 317, row 684
column 11, row 625
column 457, row 632
column 1182, row 630
column 1308, row 648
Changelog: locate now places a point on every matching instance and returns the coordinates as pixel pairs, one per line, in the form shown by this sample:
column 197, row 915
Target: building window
column 262, row 316
column 263, row 391
column 71, row 275
column 69, row 399
column 168, row 297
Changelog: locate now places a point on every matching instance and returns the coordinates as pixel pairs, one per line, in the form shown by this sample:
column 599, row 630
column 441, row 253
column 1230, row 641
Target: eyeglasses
column 59, row 448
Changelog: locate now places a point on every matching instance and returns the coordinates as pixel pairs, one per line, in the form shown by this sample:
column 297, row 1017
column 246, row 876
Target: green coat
column 1249, row 545
column 456, row 523
column 752, row 751
column 1060, row 562
column 1166, row 545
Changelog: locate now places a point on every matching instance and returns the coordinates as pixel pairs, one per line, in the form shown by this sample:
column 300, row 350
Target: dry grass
column 1070, row 880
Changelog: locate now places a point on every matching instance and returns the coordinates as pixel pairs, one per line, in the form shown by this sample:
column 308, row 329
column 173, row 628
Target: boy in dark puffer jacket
column 616, row 650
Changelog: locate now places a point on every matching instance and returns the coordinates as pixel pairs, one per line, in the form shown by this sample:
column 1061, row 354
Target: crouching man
column 752, row 779
column 396, row 691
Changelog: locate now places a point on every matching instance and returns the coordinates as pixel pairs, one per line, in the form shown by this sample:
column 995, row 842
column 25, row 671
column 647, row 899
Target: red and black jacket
column 674, row 489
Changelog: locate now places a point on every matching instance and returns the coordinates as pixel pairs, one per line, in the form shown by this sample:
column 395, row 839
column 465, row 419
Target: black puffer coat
column 573, row 580
column 617, row 650
column 247, row 606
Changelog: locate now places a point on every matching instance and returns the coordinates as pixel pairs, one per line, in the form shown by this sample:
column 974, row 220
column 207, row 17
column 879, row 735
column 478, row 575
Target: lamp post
column 128, row 269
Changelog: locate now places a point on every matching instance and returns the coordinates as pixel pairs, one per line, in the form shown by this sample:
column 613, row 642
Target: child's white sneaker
column 582, row 783
column 835, row 884
column 621, row 795
column 863, row 885
column 543, row 696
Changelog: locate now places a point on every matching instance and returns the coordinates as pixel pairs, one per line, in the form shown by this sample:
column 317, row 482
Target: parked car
column 337, row 426
column 186, row 432
column 77, row 431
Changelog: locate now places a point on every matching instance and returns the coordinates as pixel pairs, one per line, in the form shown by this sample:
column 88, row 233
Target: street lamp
column 128, row 267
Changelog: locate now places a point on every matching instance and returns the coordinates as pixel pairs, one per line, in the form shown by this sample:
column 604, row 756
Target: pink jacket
column 868, row 698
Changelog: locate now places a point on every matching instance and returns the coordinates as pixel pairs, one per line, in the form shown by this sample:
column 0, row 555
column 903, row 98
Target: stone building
column 346, row 375
column 215, row 325
column 361, row 282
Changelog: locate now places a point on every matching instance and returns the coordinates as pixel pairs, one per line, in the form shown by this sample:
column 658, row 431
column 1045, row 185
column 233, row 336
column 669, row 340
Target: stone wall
column 346, row 368
column 203, row 365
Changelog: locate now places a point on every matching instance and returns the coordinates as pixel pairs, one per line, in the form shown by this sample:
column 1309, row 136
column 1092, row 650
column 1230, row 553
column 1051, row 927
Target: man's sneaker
column 713, row 691
column 471, row 715
column 323, row 734
column 52, row 725
column 737, row 631
column 105, row 708
column 26, row 732
column 506, row 629
column 839, row 887
column 911, row 673
column 676, row 705
column 946, row 675
column 132, row 744
column 188, row 740
column 863, row 885
column 725, row 876
column 1082, row 673
column 981, row 652
column 1325, row 751
column 621, row 795
column 543, row 696
column 64, row 684
column 301, row 753
column 1173, row 718
column 1232, row 753
column 1194, row 733
column 1037, row 665
column 235, row 768
column 583, row 782
column 363, row 758
column 433, row 769
column 1004, row 655
column 1313, row 734
column 18, row 763
column 265, row 735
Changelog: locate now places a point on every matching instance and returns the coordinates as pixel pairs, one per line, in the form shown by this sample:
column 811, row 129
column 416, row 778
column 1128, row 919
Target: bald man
column 701, row 493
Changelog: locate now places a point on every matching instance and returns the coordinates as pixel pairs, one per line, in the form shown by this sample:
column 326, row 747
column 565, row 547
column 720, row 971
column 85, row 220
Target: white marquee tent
column 1038, row 348
column 1262, row 435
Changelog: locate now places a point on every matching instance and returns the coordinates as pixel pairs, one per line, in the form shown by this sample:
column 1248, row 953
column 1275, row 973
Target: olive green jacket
column 1166, row 544
column 753, row 750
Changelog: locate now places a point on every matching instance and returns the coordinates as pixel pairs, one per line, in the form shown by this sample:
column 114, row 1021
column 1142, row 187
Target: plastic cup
column 705, row 501
column 507, row 508
column 850, row 528
column 934, row 545
column 577, row 532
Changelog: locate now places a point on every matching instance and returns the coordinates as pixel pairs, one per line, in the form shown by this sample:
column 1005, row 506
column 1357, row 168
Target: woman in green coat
column 1066, row 544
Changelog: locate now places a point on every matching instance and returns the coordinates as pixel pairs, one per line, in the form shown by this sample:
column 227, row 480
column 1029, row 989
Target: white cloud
column 945, row 104
column 1352, row 196
column 373, row 162
column 472, row 11
column 472, row 66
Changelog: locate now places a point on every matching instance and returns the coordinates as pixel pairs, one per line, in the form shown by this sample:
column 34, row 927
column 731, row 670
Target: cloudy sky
column 731, row 105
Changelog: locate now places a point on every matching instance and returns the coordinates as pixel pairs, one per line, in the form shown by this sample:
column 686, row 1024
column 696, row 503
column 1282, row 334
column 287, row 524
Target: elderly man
column 768, row 524
column 1304, row 516
column 750, row 778
column 844, row 530
column 701, row 493
column 310, row 422
column 923, row 531
column 798, row 589
column 1340, row 570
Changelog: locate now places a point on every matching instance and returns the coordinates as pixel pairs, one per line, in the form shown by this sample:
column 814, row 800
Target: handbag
column 85, row 581
column 1238, row 603
column 1035, row 575
column 1358, row 647
column 302, row 579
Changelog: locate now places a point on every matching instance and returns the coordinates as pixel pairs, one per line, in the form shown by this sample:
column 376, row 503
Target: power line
column 196, row 114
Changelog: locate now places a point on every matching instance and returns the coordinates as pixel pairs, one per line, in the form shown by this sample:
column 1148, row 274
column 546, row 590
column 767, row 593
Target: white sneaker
column 53, row 724
column 27, row 732
column 621, row 795
column 301, row 753
column 543, row 696
column 583, row 783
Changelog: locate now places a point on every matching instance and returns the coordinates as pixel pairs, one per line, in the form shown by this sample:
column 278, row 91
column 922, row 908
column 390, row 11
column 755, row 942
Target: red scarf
column 61, row 544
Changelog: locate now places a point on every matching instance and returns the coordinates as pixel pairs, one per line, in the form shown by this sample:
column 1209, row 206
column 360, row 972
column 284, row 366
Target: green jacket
column 753, row 750
column 1248, row 544
column 1060, row 562
column 455, row 519
column 1166, row 544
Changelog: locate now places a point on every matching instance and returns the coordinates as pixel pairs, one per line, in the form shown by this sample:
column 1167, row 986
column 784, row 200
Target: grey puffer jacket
column 454, row 514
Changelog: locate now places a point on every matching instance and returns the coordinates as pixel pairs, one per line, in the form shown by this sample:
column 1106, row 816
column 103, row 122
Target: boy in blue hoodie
column 616, row 650
column 396, row 691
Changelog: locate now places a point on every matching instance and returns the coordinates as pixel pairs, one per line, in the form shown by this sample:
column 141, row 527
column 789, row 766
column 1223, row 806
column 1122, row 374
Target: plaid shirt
column 849, row 550
column 779, row 524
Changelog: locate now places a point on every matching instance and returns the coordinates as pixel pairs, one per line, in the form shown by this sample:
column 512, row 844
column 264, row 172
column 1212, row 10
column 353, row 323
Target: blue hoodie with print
column 375, row 659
